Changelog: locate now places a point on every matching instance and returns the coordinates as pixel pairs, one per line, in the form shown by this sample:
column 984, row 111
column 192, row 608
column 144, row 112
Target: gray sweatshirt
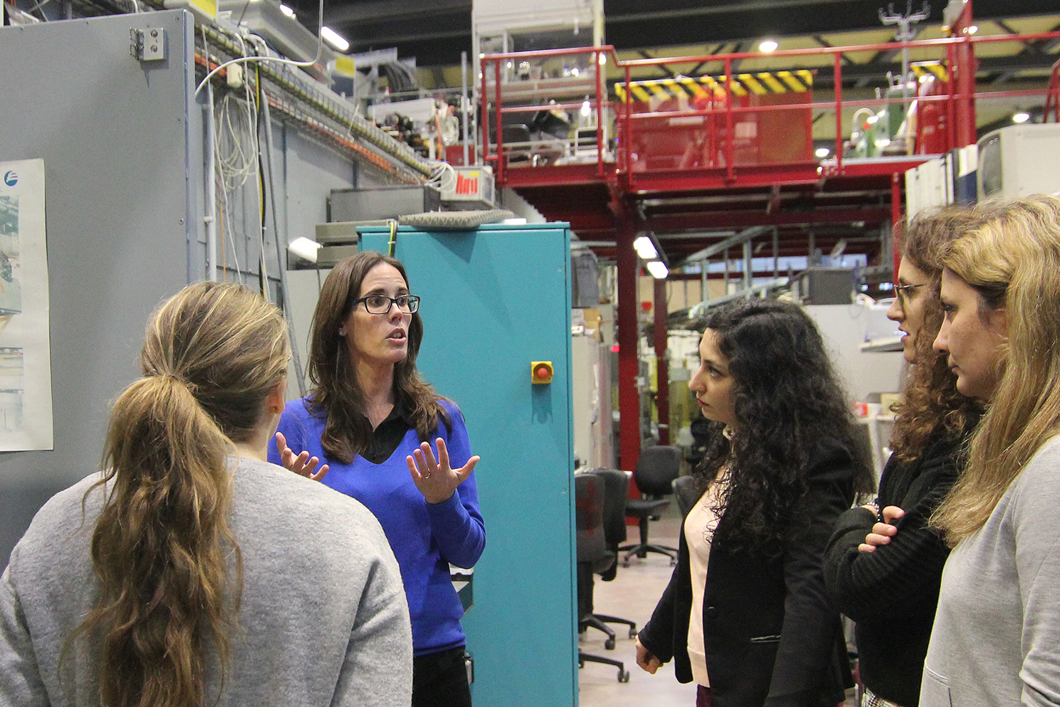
column 323, row 619
column 996, row 639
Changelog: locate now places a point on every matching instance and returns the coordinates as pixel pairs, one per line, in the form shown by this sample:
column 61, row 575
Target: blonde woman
column 191, row 572
column 994, row 641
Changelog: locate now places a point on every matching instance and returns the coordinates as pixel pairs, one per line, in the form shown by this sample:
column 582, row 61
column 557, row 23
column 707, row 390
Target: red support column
column 964, row 73
column 896, row 216
column 628, row 395
column 662, row 364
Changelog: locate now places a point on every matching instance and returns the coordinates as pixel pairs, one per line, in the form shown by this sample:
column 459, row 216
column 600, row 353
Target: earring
column 342, row 332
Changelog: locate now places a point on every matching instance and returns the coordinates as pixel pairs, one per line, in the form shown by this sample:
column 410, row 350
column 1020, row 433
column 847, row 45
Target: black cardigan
column 771, row 632
column 892, row 593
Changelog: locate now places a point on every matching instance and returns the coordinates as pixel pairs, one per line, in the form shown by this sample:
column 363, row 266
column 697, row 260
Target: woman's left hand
column 433, row 476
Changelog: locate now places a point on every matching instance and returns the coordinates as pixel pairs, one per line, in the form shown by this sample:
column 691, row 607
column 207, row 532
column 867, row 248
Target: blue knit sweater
column 425, row 538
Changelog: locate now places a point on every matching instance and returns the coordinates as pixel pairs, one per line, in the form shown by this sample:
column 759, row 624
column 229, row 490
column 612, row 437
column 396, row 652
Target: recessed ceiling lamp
column 768, row 45
column 334, row 38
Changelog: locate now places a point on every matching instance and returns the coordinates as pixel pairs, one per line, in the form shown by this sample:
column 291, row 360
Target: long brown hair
column 931, row 405
column 1013, row 262
column 336, row 394
column 212, row 355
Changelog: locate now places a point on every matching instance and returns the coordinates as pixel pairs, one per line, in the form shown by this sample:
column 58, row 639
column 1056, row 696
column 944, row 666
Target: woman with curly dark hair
column 883, row 563
column 746, row 615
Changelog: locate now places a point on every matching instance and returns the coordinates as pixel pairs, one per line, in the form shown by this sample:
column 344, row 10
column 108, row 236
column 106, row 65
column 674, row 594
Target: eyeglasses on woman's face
column 905, row 292
column 381, row 304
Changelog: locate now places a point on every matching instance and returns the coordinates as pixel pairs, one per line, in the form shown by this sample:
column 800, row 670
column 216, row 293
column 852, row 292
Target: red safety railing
column 955, row 103
column 1052, row 99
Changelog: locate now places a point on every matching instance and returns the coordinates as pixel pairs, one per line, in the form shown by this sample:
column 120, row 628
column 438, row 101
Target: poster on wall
column 25, row 353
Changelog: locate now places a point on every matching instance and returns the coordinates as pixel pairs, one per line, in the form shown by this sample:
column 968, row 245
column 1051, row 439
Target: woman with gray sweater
column 994, row 641
column 190, row 571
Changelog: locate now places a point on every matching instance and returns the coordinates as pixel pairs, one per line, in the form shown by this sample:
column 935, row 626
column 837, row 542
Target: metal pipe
column 281, row 254
column 211, row 189
column 464, row 101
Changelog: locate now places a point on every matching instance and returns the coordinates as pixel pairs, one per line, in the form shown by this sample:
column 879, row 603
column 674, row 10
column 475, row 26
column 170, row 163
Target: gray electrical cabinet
column 108, row 108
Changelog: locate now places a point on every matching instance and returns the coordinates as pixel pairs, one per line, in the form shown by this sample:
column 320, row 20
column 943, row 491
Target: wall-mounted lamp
column 645, row 248
column 658, row 269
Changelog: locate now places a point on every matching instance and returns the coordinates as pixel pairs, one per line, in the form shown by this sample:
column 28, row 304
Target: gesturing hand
column 433, row 476
column 301, row 464
column 882, row 532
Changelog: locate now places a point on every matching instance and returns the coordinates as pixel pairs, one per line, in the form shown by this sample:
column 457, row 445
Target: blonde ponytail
column 169, row 568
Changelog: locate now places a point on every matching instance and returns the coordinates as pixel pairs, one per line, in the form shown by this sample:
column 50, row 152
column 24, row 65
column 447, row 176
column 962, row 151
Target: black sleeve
column 658, row 634
column 874, row 585
column 807, row 639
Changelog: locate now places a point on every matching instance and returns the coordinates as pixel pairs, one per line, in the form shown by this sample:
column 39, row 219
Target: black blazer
column 771, row 632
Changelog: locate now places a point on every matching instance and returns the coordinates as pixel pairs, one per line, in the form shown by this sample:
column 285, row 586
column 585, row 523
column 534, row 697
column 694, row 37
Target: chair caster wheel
column 625, row 563
column 673, row 561
column 623, row 675
column 609, row 644
column 632, row 631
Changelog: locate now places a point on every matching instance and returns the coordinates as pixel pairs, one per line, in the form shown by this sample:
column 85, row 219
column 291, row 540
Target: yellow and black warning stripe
column 937, row 69
column 760, row 83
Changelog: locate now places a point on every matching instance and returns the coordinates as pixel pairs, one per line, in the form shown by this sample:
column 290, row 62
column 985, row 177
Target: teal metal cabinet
column 495, row 299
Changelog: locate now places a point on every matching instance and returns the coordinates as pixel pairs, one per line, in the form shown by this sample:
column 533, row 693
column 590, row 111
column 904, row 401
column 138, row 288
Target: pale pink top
column 699, row 529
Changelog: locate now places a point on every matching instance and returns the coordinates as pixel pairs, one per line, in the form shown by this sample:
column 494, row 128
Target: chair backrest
column 589, row 517
column 616, row 491
column 685, row 488
column 656, row 469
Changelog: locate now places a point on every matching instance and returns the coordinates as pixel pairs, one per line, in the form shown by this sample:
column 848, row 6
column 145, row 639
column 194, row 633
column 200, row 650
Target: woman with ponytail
column 192, row 572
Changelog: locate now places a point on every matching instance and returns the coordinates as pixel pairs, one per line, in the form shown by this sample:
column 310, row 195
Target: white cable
column 277, row 60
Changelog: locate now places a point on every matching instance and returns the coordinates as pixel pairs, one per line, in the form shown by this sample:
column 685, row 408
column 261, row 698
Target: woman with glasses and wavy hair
column 192, row 572
column 370, row 418
column 883, row 563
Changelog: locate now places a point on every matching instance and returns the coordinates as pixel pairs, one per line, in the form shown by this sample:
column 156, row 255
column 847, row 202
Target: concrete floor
column 632, row 595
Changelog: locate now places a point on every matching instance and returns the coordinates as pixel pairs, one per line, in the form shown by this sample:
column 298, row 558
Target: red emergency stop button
column 541, row 371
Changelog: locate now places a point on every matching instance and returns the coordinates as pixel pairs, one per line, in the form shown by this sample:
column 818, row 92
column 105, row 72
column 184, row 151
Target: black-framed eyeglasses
column 904, row 292
column 381, row 304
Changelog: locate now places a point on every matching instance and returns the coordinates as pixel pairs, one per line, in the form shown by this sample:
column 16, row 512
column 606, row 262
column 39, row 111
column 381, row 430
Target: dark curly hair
column 788, row 405
column 931, row 406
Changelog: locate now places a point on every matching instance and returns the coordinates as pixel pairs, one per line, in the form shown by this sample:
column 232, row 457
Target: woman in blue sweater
column 371, row 418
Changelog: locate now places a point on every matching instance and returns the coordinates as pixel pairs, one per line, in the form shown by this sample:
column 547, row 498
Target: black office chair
column 656, row 469
column 686, row 491
column 616, row 494
column 593, row 556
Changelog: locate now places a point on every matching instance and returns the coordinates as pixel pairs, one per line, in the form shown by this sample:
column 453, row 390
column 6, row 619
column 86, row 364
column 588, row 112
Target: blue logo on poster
column 11, row 179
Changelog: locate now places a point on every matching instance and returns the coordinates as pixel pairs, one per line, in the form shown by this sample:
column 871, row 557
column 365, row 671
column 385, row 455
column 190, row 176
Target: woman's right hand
column 646, row 660
column 302, row 464
column 882, row 532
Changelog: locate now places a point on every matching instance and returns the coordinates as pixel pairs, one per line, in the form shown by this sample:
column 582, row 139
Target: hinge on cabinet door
column 148, row 44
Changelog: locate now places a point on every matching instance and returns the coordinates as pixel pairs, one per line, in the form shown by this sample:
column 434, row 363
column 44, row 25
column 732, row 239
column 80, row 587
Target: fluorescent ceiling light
column 334, row 38
column 768, row 45
column 645, row 248
column 658, row 269
column 1021, row 117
